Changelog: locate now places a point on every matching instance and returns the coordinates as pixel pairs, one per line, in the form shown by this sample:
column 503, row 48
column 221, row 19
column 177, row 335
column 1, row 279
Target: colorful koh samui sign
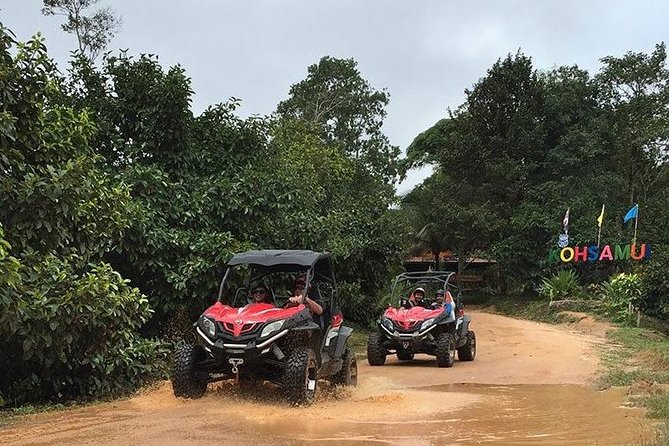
column 596, row 253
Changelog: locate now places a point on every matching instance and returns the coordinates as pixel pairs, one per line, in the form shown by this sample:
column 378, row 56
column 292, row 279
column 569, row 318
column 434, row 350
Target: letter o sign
column 567, row 254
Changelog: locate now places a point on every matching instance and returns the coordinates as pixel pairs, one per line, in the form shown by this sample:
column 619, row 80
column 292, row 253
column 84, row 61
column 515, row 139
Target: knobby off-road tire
column 348, row 375
column 468, row 351
column 185, row 382
column 376, row 353
column 404, row 355
column 445, row 350
column 300, row 370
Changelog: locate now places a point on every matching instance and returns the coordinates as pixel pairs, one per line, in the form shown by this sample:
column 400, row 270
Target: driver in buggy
column 261, row 295
column 415, row 299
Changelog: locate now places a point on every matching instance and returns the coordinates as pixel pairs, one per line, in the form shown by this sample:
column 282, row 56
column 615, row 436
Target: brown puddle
column 380, row 411
column 516, row 394
column 470, row 414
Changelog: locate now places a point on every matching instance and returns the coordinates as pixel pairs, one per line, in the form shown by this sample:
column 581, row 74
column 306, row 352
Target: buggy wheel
column 404, row 355
column 300, row 376
column 348, row 375
column 445, row 350
column 376, row 353
column 185, row 383
column 468, row 351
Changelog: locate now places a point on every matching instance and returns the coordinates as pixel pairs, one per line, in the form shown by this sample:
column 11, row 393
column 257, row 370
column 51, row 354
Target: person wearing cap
column 444, row 300
column 438, row 300
column 310, row 299
column 416, row 299
column 260, row 295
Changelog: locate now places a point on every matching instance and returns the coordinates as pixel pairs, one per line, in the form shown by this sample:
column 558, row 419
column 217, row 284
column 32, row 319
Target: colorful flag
column 565, row 221
column 632, row 213
column 600, row 219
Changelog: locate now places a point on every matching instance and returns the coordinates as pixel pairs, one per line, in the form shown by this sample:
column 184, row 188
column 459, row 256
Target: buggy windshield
column 276, row 271
column 429, row 281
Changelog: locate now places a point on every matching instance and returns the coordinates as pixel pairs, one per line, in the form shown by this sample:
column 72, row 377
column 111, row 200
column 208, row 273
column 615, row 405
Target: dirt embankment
column 528, row 385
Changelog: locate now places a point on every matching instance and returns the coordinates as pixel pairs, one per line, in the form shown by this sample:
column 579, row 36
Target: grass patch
column 523, row 308
column 358, row 339
column 658, row 405
column 8, row 415
column 637, row 355
column 639, row 358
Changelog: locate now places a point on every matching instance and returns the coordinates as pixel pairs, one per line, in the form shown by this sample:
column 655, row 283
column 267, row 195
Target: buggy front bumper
column 409, row 341
column 222, row 349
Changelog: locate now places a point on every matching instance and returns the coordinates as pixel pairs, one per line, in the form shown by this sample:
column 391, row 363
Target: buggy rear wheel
column 468, row 351
column 300, row 376
column 445, row 351
column 185, row 382
column 348, row 375
column 376, row 352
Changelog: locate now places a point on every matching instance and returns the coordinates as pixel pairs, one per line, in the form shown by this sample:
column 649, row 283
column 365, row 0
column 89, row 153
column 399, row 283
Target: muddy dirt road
column 528, row 385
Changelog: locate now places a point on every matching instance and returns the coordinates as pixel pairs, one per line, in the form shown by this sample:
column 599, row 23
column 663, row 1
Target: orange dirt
column 526, row 386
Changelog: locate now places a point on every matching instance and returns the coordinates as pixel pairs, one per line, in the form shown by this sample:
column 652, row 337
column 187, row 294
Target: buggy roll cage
column 443, row 277
column 266, row 262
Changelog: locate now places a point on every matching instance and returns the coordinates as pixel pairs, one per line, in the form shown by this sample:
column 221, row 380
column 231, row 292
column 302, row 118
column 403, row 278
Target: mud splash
column 527, row 386
column 378, row 412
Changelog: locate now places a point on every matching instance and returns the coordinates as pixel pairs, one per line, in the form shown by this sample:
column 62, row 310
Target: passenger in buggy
column 311, row 299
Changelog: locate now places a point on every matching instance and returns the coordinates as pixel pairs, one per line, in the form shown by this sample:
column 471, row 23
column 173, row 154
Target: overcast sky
column 425, row 53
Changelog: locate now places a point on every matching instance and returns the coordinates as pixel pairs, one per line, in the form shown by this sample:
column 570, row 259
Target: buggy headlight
column 387, row 323
column 426, row 324
column 209, row 327
column 271, row 328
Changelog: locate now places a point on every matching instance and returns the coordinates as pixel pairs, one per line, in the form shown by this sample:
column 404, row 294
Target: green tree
column 347, row 111
column 634, row 97
column 68, row 322
column 490, row 151
column 339, row 107
column 93, row 31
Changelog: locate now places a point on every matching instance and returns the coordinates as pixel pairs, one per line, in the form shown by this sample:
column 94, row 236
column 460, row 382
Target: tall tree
column 94, row 29
column 634, row 94
column 347, row 111
column 68, row 321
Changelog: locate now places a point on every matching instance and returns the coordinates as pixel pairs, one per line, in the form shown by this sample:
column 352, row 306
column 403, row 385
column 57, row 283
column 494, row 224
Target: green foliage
column 621, row 291
column 510, row 161
column 68, row 333
column 68, row 322
column 207, row 186
column 357, row 306
column 655, row 281
column 562, row 285
column 346, row 111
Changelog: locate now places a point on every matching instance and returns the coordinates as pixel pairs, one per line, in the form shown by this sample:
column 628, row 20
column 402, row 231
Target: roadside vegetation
column 119, row 205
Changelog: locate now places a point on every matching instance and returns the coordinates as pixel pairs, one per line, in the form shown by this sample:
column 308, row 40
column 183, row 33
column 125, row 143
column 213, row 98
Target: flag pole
column 636, row 222
column 600, row 221
column 599, row 235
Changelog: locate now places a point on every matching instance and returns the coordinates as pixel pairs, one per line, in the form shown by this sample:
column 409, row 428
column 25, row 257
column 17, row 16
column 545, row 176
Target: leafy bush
column 617, row 294
column 68, row 322
column 655, row 282
column 68, row 332
column 355, row 305
column 562, row 285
